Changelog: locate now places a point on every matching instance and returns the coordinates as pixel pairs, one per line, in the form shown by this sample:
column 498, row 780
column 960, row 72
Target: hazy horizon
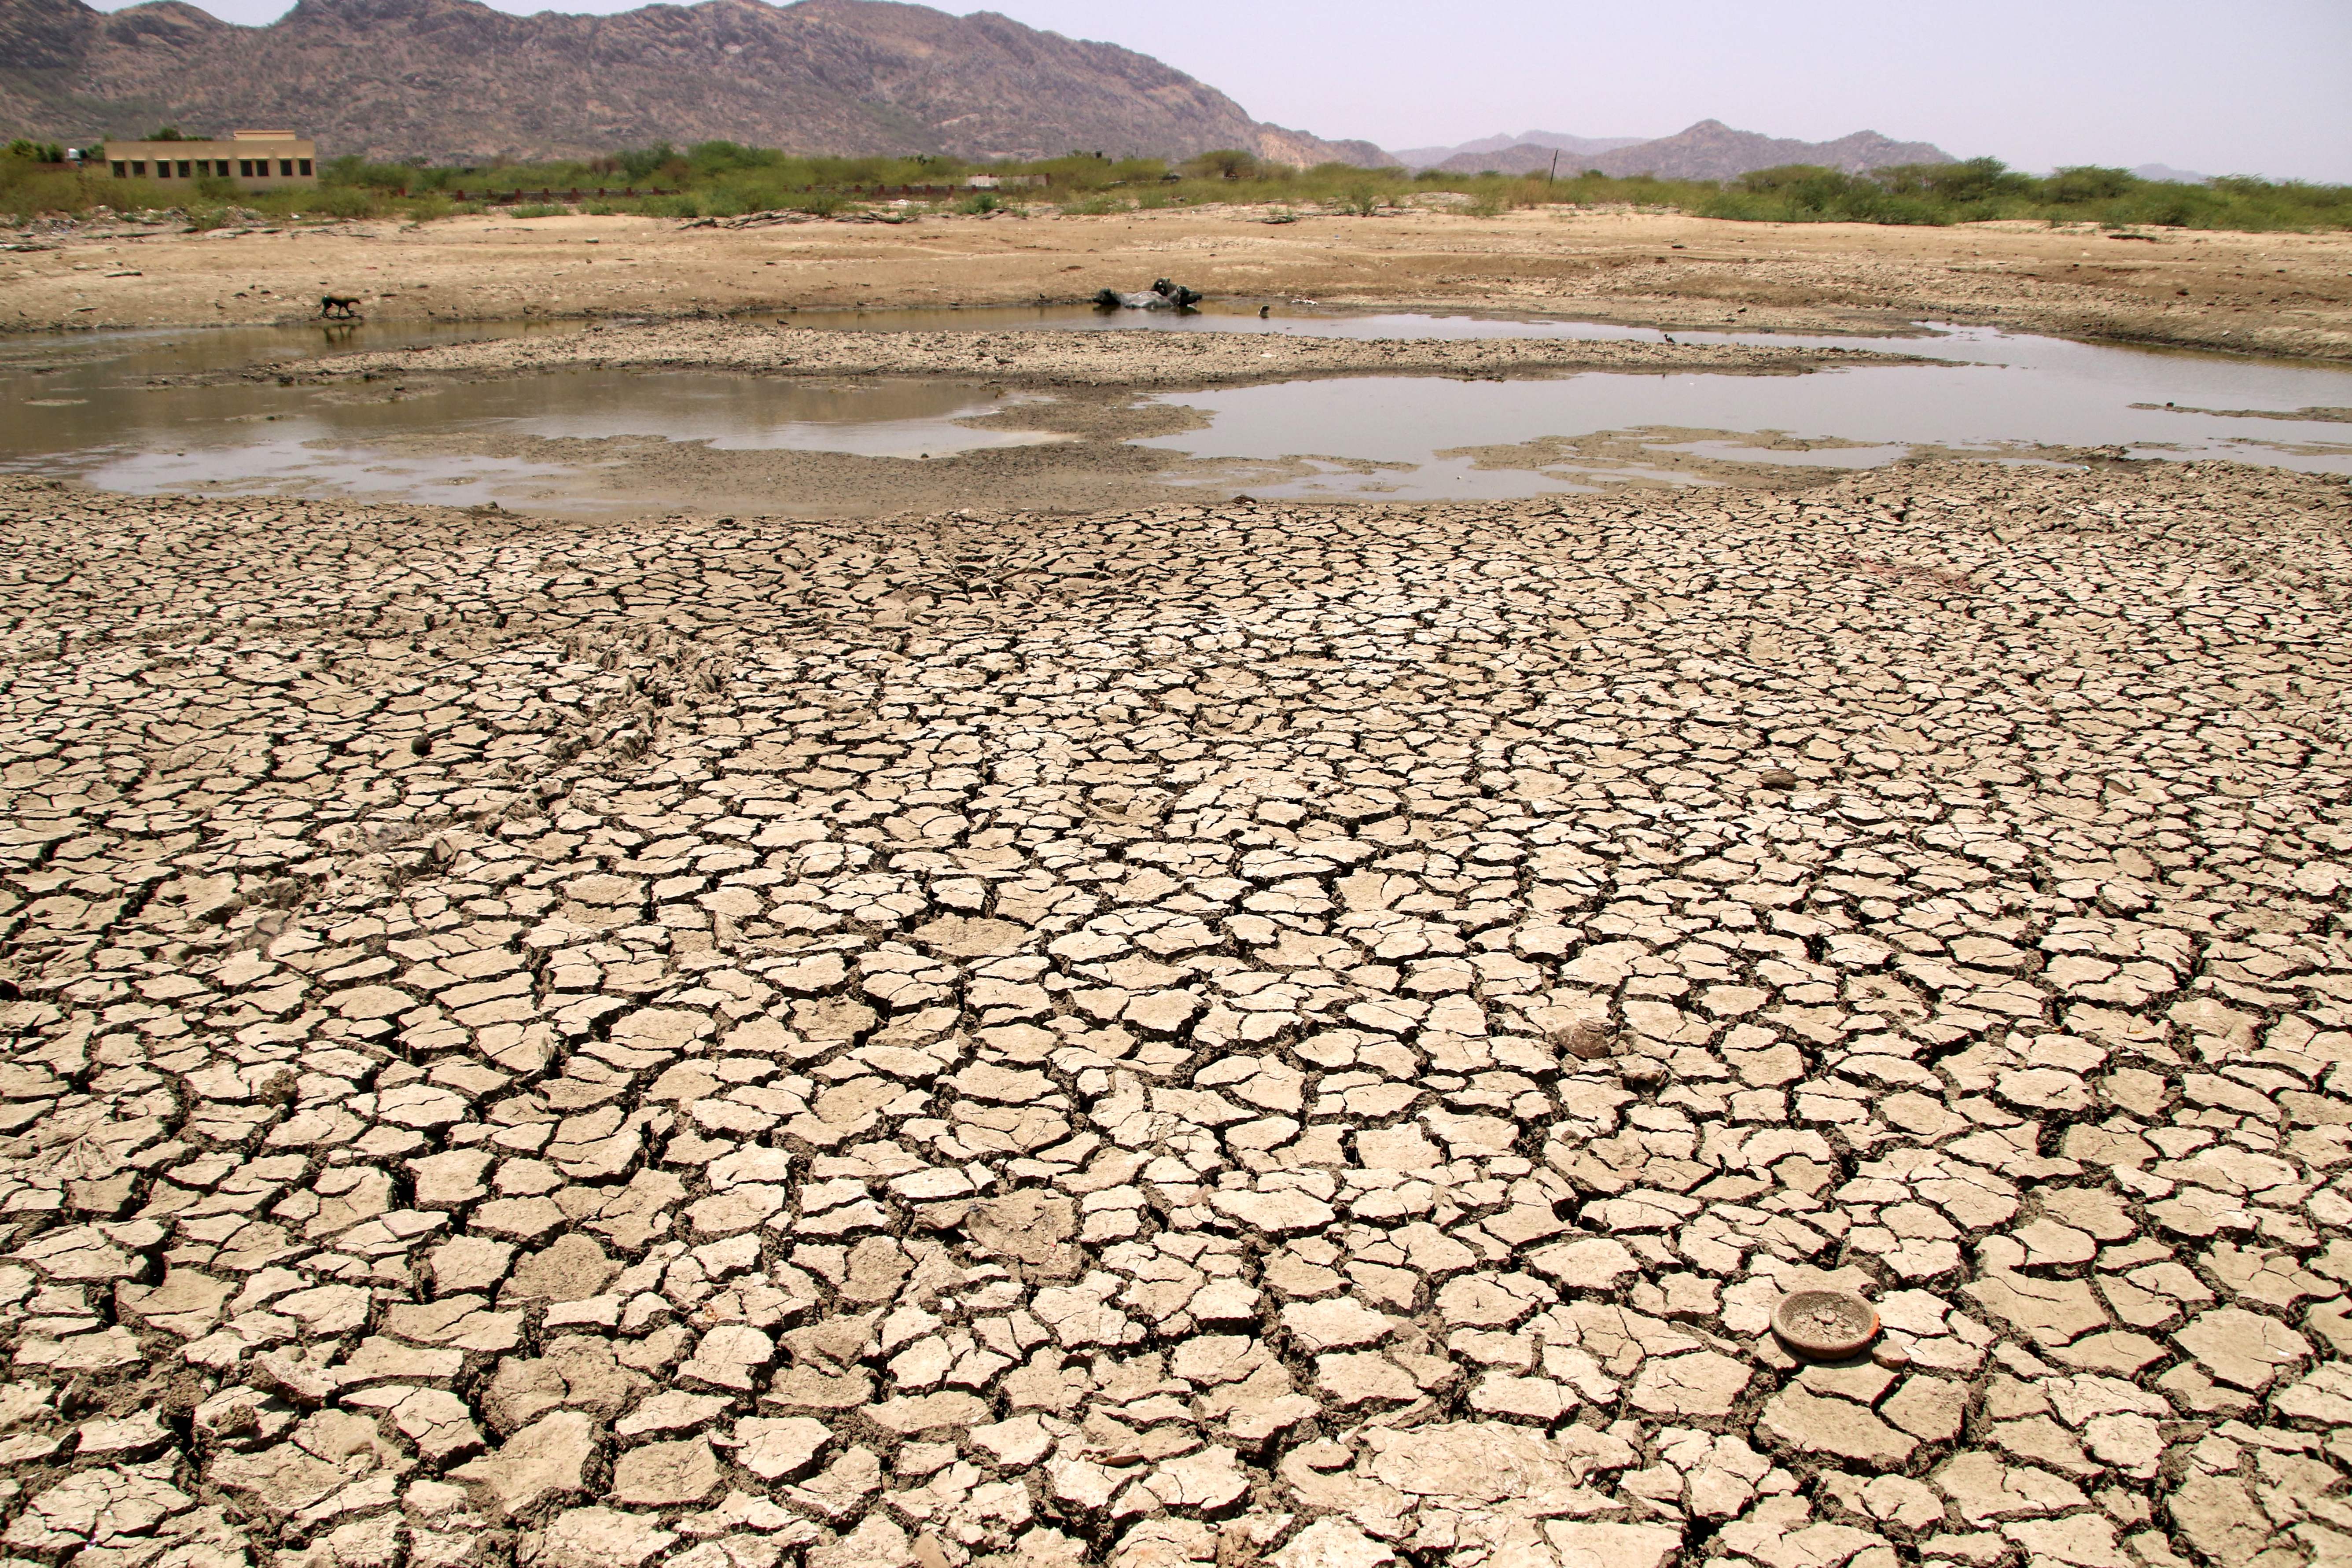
column 2101, row 81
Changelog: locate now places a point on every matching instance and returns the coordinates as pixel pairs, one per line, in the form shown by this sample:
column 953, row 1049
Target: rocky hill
column 456, row 80
column 1569, row 146
column 1711, row 150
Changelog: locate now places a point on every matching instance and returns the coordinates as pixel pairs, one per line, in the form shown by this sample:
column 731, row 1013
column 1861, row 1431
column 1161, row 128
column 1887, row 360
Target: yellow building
column 258, row 160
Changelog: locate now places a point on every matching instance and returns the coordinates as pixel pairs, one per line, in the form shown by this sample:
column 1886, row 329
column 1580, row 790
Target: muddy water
column 86, row 412
column 611, row 440
column 2003, row 397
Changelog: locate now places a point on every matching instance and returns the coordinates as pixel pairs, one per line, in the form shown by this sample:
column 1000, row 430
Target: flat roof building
column 258, row 160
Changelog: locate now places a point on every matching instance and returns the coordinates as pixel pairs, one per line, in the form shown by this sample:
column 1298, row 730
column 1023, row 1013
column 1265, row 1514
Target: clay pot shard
column 1824, row 1325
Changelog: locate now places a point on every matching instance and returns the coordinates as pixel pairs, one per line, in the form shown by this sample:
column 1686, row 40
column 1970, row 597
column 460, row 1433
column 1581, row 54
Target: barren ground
column 2271, row 293
column 1205, row 1034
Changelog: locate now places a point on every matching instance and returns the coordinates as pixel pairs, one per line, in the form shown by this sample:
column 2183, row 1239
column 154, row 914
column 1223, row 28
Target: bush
column 1225, row 164
column 2072, row 186
column 720, row 178
column 641, row 163
column 353, row 170
column 339, row 201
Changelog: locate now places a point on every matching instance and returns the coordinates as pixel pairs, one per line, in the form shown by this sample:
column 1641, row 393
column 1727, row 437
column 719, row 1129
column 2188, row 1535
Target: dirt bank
column 2282, row 294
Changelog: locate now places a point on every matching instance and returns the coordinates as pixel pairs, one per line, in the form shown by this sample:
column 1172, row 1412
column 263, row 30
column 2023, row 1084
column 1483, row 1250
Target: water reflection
column 1997, row 396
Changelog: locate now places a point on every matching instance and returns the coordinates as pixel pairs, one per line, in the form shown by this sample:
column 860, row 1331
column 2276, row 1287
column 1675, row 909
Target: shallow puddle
column 1997, row 396
column 87, row 412
column 81, row 407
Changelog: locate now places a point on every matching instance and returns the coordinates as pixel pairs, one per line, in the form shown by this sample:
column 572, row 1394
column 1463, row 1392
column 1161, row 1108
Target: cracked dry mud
column 1212, row 1034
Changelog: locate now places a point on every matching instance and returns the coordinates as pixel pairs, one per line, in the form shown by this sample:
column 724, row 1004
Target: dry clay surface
column 2271, row 293
column 1198, row 1035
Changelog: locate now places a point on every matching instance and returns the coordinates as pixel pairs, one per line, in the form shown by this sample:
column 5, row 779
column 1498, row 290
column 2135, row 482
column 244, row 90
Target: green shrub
column 339, row 201
column 722, row 178
column 2072, row 186
column 1225, row 164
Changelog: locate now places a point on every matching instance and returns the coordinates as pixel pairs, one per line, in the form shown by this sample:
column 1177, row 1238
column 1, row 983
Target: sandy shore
column 2285, row 294
column 1207, row 1033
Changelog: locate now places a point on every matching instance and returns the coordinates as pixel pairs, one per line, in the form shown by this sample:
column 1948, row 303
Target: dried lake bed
column 1193, row 1031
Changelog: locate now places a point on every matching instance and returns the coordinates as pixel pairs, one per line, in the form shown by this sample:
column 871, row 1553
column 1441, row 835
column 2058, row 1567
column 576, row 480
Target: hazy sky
column 2237, row 86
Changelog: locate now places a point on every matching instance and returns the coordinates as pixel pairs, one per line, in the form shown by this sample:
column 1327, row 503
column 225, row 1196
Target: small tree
column 168, row 133
column 2088, row 184
column 1225, row 163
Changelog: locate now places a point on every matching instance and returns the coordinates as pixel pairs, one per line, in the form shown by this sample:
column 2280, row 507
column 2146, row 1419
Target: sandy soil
column 1241, row 1035
column 2271, row 293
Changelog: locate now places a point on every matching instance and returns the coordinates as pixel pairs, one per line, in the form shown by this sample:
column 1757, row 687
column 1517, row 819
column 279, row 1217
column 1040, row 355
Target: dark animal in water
column 1162, row 295
column 339, row 307
column 1264, row 311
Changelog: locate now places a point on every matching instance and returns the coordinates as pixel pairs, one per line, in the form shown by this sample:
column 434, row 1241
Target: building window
column 163, row 168
column 185, row 166
column 122, row 169
column 245, row 168
column 306, row 167
column 285, row 167
column 138, row 168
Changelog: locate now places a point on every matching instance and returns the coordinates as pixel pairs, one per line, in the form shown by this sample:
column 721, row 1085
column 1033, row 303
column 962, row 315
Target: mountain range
column 1709, row 150
column 1433, row 157
column 455, row 81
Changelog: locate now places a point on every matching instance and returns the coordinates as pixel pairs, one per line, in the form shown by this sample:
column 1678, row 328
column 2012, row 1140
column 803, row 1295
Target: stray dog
column 338, row 308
